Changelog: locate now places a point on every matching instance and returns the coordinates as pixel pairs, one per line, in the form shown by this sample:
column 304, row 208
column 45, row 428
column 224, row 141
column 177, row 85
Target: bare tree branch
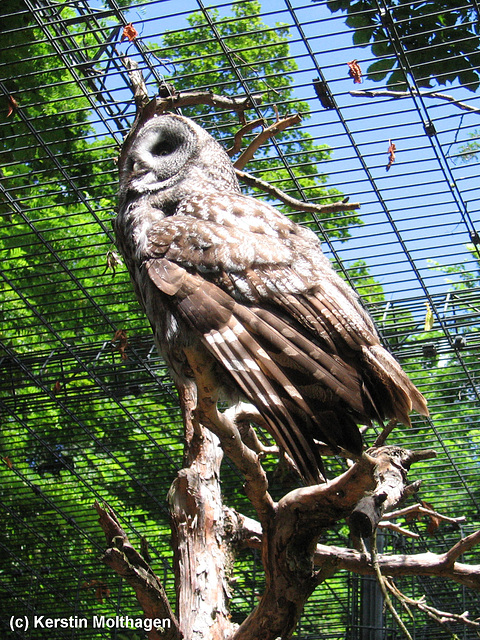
column 129, row 564
column 265, row 135
column 425, row 564
column 297, row 205
column 386, row 431
column 237, row 145
column 140, row 92
column 190, row 98
column 462, row 546
column 243, row 415
column 386, row 524
column 440, row 617
column 390, row 489
column 420, row 509
column 382, row 583
column 384, row 93
column 422, row 564
column 289, row 542
column 222, row 424
column 187, row 98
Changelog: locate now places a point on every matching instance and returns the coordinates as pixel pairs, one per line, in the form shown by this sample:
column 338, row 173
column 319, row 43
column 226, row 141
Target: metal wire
column 66, row 301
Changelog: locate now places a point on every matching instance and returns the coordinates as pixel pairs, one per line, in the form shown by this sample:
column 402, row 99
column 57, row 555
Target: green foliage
column 42, row 89
column 470, row 151
column 442, row 37
column 65, row 439
column 449, row 378
column 366, row 285
column 51, row 236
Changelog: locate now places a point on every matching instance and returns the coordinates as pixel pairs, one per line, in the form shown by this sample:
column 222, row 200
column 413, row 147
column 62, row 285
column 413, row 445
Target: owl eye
column 160, row 152
column 166, row 142
column 162, row 148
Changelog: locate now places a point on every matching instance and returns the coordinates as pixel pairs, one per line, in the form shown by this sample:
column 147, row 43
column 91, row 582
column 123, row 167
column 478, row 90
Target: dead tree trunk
column 205, row 533
column 201, row 534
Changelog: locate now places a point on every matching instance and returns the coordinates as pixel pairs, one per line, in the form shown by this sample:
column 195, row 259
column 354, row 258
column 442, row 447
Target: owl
column 229, row 276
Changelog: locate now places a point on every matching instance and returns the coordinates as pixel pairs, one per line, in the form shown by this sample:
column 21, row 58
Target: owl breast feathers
column 226, row 274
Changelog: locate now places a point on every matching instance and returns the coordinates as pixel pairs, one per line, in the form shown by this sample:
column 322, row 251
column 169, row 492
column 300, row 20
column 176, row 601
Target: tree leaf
column 379, row 69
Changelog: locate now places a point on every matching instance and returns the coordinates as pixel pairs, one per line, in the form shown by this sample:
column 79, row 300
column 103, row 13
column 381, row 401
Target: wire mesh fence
column 388, row 98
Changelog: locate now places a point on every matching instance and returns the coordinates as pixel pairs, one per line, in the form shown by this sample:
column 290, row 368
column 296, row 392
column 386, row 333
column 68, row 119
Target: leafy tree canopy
column 440, row 39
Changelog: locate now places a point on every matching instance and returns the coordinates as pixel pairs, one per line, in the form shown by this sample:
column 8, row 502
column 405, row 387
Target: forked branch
column 266, row 134
column 289, row 540
column 440, row 617
column 128, row 563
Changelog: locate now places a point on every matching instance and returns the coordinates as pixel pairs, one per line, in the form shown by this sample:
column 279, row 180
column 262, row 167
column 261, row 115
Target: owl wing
column 288, row 331
column 251, row 351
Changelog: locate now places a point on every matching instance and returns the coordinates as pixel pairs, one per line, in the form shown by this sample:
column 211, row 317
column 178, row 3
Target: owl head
column 171, row 154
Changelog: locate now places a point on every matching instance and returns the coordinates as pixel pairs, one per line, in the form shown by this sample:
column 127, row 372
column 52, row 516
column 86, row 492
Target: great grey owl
column 224, row 272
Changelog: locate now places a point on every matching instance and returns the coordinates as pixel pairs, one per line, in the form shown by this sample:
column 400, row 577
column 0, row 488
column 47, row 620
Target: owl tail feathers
column 401, row 394
column 311, row 473
column 342, row 431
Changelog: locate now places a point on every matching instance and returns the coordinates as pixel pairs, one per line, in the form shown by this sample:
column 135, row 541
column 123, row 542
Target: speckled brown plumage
column 224, row 272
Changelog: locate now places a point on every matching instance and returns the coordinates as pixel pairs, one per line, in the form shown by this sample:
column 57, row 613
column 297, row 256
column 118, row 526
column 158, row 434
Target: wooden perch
column 204, row 533
column 190, row 98
column 330, row 558
column 225, row 428
column 129, row 564
column 442, row 565
column 419, row 510
column 291, row 527
column 289, row 539
column 391, row 474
